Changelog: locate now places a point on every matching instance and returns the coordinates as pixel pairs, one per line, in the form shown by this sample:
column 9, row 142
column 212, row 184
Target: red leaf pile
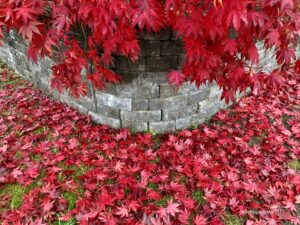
column 236, row 166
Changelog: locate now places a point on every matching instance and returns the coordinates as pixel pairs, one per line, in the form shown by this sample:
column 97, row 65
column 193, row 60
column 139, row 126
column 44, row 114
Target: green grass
column 194, row 126
column 285, row 121
column 77, row 171
column 127, row 191
column 183, row 180
column 19, row 133
column 16, row 193
column 12, row 82
column 198, row 196
column 19, row 155
column 40, row 130
column 156, row 160
column 163, row 203
column 71, row 199
column 295, row 165
column 110, row 181
column 132, row 131
column 5, row 113
column 151, row 131
column 230, row 219
column 152, row 186
column 36, row 157
column 70, row 222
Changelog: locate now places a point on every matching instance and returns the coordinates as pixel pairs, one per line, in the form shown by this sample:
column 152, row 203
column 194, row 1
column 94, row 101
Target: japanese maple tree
column 89, row 32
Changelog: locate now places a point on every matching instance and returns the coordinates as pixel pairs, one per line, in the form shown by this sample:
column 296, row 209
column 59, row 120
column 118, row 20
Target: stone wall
column 144, row 101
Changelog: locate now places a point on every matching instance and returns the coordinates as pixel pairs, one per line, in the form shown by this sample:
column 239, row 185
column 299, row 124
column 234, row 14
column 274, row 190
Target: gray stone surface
column 135, row 125
column 80, row 108
column 167, row 90
column 114, row 123
column 173, row 114
column 150, row 48
column 140, row 104
column 163, row 35
column 162, row 126
column 123, row 63
column 198, row 96
column 215, row 92
column 88, row 102
column 189, row 121
column 143, row 116
column 149, row 90
column 171, row 47
column 108, row 111
column 154, row 77
column 175, row 102
column 161, row 63
column 186, row 88
column 208, row 108
column 113, row 101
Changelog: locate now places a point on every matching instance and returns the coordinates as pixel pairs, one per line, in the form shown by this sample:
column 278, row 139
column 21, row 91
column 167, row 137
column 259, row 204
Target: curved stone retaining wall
column 144, row 101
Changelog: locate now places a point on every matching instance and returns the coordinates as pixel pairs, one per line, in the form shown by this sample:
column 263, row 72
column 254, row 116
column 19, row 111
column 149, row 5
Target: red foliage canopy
column 109, row 27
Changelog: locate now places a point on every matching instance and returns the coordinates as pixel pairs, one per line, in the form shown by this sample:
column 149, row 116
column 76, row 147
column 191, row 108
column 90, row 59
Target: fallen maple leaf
column 122, row 212
column 172, row 208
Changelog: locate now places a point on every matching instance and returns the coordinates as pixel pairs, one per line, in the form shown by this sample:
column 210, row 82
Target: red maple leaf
column 200, row 220
column 122, row 212
column 172, row 208
column 26, row 14
column 176, row 77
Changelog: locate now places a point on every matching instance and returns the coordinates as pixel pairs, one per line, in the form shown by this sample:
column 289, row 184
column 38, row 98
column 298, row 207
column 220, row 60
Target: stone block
column 110, row 89
column 90, row 92
column 161, row 63
column 113, row 101
column 138, row 91
column 87, row 102
column 136, row 125
column 108, row 111
column 124, row 64
column 167, row 90
column 48, row 62
column 186, row 88
column 55, row 94
column 21, row 47
column 189, row 121
column 150, row 48
column 81, row 109
column 143, row 116
column 34, row 67
column 7, row 54
column 171, row 47
column 65, row 98
column 162, row 126
column 45, row 83
column 170, row 114
column 209, row 107
column 180, row 61
column 215, row 91
column 156, row 78
column 198, row 96
column 131, row 77
column 140, row 104
column 162, row 35
column 114, row 123
column 26, row 74
column 177, row 102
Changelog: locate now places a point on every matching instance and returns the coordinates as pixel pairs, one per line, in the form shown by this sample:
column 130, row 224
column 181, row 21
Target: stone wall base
column 145, row 102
